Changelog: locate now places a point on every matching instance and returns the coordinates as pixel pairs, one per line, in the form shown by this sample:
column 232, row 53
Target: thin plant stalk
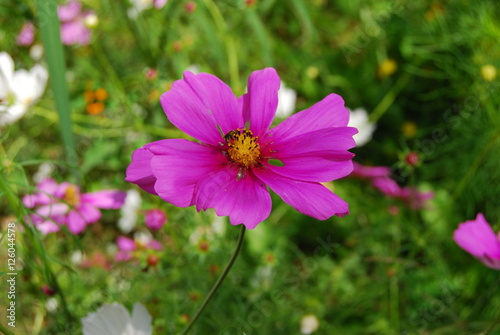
column 219, row 281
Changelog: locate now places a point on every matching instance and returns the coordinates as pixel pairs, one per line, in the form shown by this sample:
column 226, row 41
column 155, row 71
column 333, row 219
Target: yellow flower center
column 72, row 196
column 243, row 147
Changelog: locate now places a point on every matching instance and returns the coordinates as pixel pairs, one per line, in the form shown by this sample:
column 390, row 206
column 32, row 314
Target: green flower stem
column 219, row 281
column 4, row 330
column 390, row 96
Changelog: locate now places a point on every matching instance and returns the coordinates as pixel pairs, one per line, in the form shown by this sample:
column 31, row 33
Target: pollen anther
column 243, row 147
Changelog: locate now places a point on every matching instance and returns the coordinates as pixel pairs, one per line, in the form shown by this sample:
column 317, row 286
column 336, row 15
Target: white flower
column 18, row 89
column 195, row 68
column 129, row 211
column 44, row 171
column 140, row 5
column 286, row 101
column 359, row 119
column 143, row 237
column 114, row 319
column 51, row 305
column 309, row 324
column 36, row 52
column 91, row 20
column 219, row 225
column 76, row 257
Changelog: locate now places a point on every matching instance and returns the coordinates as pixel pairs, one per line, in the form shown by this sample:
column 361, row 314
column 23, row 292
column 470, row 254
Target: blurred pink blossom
column 368, row 172
column 26, row 36
column 73, row 27
column 155, row 219
column 381, row 180
column 159, row 3
column 411, row 196
column 478, row 239
column 63, row 204
column 129, row 247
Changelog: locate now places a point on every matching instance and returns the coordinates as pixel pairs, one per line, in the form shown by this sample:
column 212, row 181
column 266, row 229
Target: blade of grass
column 51, row 38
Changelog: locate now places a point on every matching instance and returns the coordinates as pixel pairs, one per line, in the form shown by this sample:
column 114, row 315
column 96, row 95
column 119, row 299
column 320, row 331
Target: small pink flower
column 238, row 156
column 26, row 36
column 73, row 28
column 478, row 239
column 63, row 204
column 155, row 219
column 128, row 248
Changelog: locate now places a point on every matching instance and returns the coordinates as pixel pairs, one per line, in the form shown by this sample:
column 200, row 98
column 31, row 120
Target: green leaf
column 51, row 38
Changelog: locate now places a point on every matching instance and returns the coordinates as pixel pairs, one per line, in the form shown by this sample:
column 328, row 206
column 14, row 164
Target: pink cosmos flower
column 478, row 239
column 26, row 36
column 73, row 28
column 155, row 219
column 238, row 155
column 63, row 204
column 411, row 196
column 128, row 247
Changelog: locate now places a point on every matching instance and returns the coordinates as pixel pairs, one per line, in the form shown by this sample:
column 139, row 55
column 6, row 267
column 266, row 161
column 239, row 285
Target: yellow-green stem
column 218, row 283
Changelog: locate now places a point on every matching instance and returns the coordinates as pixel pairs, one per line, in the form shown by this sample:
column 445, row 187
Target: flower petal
column 141, row 320
column 367, row 172
column 47, row 227
column 89, row 213
column 153, row 244
column 387, row 186
column 139, row 171
column 261, row 101
column 69, row 11
column 11, row 114
column 47, row 189
column 106, row 199
column 110, row 319
column 318, row 156
column 123, row 256
column 311, row 199
column 179, row 164
column 125, row 243
column 477, row 238
column 360, row 120
column 245, row 201
column 75, row 32
column 6, row 74
column 159, row 3
column 199, row 103
column 52, row 210
column 26, row 36
column 329, row 112
column 76, row 222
